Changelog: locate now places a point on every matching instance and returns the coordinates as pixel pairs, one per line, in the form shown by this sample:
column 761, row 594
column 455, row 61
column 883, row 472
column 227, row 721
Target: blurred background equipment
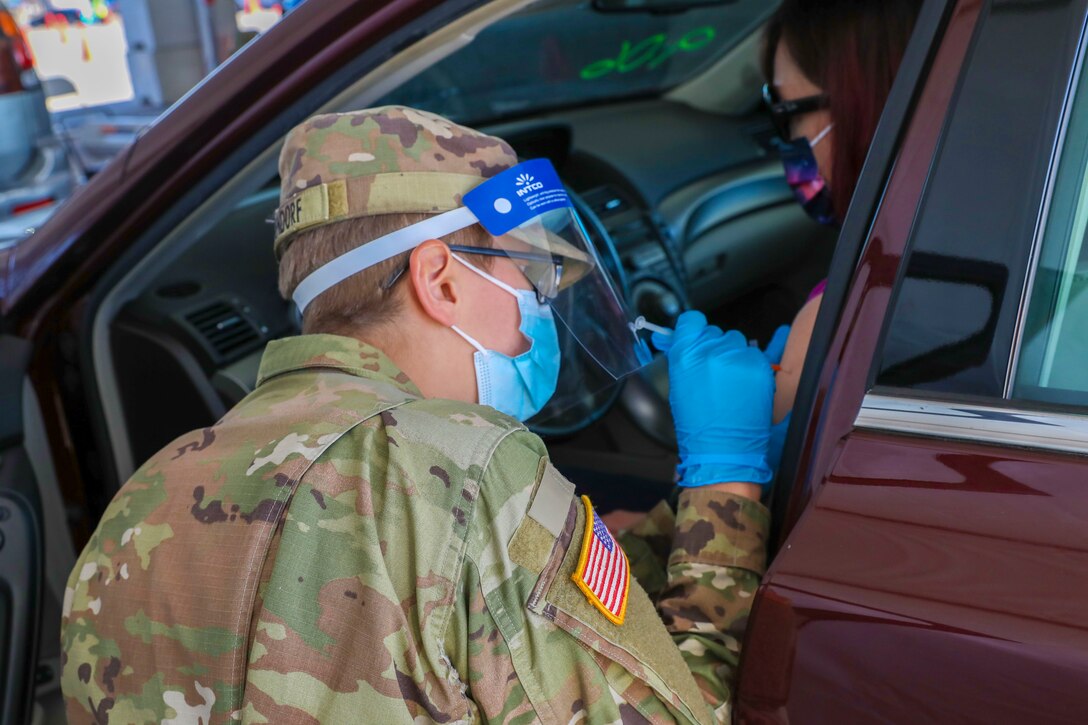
column 173, row 45
column 34, row 168
column 80, row 79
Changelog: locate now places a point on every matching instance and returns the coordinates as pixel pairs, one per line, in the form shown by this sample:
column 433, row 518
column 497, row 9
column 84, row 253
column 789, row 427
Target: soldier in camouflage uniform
column 345, row 547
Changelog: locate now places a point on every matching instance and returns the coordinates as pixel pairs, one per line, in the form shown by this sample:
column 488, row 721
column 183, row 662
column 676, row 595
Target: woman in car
column 829, row 66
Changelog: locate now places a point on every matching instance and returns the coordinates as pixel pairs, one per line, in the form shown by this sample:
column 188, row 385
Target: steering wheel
column 561, row 418
column 598, row 234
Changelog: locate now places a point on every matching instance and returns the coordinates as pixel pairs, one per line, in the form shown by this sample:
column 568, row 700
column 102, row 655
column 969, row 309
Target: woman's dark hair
column 852, row 50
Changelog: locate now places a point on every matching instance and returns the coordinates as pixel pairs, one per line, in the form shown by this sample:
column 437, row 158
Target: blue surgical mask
column 518, row 386
column 803, row 175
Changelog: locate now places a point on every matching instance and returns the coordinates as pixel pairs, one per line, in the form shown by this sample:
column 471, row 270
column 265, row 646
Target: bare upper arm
column 793, row 360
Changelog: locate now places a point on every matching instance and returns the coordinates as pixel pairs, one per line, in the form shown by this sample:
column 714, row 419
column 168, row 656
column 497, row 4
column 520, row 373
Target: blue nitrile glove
column 778, row 442
column 776, row 348
column 721, row 392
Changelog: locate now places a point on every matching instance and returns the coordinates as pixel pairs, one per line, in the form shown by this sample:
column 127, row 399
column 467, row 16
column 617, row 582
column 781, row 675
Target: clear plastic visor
column 598, row 343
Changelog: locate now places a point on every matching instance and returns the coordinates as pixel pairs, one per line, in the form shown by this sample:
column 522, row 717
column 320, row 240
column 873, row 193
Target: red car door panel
column 932, row 564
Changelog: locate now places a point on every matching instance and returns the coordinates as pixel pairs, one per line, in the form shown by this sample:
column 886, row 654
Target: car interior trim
column 1044, row 214
column 60, row 555
column 699, row 207
column 975, row 423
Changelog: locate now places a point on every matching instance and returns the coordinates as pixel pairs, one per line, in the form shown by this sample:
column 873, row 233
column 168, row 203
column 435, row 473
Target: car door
column 934, row 548
column 21, row 544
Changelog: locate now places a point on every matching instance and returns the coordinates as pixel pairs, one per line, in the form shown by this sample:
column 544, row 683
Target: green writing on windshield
column 648, row 53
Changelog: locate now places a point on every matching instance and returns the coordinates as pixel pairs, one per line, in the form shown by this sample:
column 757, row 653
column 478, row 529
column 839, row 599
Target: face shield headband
column 512, row 199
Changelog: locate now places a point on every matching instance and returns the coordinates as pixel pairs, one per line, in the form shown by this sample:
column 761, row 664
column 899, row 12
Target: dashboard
column 693, row 207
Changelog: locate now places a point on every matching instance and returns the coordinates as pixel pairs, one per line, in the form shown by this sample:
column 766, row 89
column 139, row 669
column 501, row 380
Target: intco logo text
column 527, row 184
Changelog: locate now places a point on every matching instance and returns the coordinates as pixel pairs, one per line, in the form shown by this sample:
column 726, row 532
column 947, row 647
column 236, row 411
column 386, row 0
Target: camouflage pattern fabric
column 339, row 549
column 648, row 545
column 380, row 161
column 718, row 557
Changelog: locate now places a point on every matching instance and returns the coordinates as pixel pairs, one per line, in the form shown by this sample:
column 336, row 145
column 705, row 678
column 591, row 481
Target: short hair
column 851, row 49
column 365, row 299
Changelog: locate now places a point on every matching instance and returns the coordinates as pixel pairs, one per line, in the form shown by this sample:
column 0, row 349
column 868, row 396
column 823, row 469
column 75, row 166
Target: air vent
column 606, row 201
column 224, row 328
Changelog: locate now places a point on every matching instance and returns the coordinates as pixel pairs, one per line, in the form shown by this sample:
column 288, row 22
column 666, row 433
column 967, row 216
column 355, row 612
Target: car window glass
column 561, row 53
column 956, row 310
column 1053, row 361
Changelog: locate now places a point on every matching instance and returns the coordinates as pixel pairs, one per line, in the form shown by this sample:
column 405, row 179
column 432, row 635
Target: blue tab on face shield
column 516, row 196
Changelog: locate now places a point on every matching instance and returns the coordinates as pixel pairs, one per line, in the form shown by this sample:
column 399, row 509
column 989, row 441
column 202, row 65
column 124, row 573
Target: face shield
column 533, row 224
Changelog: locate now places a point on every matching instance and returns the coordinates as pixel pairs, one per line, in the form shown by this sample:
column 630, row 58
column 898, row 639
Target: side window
column 1053, row 354
column 956, row 314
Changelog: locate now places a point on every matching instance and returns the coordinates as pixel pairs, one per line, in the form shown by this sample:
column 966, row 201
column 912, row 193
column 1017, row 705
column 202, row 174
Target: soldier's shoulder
column 463, row 429
column 458, row 413
column 503, row 435
column 490, row 447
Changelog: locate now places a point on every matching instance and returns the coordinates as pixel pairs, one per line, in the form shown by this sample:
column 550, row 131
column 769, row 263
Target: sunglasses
column 783, row 111
column 544, row 271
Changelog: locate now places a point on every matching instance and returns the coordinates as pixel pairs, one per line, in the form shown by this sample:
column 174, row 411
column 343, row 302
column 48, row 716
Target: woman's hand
column 721, row 392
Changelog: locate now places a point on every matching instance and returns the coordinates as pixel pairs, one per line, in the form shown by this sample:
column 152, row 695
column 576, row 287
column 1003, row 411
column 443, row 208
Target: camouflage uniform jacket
column 339, row 549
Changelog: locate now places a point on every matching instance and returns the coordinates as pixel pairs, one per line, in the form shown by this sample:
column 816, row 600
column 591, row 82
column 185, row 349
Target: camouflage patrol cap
column 386, row 160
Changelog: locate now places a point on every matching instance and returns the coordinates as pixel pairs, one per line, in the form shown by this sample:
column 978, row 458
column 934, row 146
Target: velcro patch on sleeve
column 551, row 500
column 603, row 573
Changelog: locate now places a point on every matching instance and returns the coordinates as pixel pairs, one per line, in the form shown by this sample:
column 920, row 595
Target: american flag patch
column 603, row 573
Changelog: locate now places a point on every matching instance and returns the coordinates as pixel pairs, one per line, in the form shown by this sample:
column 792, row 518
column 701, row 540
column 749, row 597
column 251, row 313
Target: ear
column 431, row 272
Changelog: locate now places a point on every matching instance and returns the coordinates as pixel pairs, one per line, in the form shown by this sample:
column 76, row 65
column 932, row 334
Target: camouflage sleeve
column 719, row 552
column 529, row 644
column 648, row 544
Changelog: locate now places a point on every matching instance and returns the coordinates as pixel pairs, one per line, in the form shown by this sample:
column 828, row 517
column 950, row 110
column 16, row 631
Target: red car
column 931, row 505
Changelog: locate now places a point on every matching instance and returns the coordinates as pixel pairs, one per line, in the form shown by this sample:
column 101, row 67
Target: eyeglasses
column 782, row 111
column 544, row 271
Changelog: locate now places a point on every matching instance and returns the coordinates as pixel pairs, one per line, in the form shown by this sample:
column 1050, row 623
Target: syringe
column 641, row 323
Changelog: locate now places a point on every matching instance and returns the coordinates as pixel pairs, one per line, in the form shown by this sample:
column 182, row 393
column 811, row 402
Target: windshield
column 564, row 53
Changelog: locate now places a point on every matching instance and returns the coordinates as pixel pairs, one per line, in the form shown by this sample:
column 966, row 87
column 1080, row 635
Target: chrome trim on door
column 975, row 423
